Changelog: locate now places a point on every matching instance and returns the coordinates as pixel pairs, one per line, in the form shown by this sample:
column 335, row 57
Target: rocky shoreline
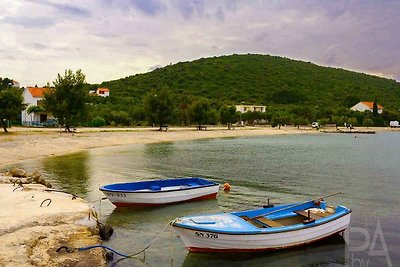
column 37, row 220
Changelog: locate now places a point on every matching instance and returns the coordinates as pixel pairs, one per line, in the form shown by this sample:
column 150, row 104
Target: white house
column 363, row 106
column 103, row 92
column 15, row 84
column 33, row 96
column 246, row 108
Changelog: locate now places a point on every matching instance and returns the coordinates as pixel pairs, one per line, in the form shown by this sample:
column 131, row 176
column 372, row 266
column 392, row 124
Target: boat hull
column 132, row 199
column 204, row 241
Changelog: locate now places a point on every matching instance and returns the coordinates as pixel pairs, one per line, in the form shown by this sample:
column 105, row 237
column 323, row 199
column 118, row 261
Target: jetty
column 350, row 131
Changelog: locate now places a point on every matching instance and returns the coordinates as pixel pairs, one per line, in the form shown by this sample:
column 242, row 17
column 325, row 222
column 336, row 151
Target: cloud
column 30, row 22
column 110, row 39
column 63, row 8
column 149, row 7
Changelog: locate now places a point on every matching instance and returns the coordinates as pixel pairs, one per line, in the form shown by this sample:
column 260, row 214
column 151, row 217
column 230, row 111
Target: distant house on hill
column 253, row 108
column 15, row 84
column 103, row 92
column 363, row 106
column 33, row 96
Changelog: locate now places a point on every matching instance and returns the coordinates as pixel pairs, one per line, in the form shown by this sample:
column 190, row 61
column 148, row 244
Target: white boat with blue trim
column 272, row 228
column 160, row 192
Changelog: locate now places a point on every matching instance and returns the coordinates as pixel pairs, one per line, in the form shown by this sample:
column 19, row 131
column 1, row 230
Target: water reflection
column 70, row 173
column 327, row 252
column 159, row 150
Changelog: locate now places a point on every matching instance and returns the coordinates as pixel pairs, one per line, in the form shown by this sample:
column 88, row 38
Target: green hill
column 260, row 79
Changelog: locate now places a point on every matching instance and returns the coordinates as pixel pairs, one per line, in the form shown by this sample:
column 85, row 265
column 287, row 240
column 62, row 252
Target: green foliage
column 11, row 102
column 260, row 79
column 228, row 115
column 199, row 111
column 5, row 83
column 159, row 107
column 323, row 121
column 368, row 122
column 280, row 119
column 353, row 121
column 288, row 96
column 67, row 101
column 98, row 122
column 351, row 100
column 183, row 113
column 375, row 108
column 299, row 121
column 338, row 120
column 35, row 109
column 292, row 91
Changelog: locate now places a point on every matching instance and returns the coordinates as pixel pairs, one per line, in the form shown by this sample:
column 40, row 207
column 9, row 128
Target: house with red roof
column 103, row 92
column 363, row 106
column 33, row 96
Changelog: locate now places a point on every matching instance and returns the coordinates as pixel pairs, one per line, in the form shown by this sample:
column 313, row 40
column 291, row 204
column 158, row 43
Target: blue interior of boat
column 157, row 185
column 265, row 220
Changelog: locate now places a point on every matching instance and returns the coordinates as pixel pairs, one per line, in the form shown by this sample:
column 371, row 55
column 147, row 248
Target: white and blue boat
column 160, row 192
column 272, row 228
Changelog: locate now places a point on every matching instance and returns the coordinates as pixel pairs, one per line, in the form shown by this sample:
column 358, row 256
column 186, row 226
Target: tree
column 375, row 108
column 67, row 100
column 11, row 102
column 368, row 122
column 185, row 101
column 159, row 107
column 279, row 120
column 228, row 115
column 199, row 111
column 298, row 121
column 35, row 109
column 352, row 121
column 323, row 121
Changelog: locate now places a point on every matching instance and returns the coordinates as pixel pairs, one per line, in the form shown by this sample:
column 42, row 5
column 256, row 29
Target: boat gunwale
column 263, row 231
column 160, row 191
column 189, row 187
column 241, row 250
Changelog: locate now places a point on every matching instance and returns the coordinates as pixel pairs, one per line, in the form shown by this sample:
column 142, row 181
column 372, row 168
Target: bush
column 98, row 122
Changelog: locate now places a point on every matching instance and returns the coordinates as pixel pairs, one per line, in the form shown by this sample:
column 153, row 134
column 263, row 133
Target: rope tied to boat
column 124, row 256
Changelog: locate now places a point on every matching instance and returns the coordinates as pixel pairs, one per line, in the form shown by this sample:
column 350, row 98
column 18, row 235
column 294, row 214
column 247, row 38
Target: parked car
column 394, row 124
column 315, row 125
column 51, row 123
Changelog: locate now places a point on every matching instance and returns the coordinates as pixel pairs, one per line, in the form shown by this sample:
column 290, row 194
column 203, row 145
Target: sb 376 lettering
column 206, row 235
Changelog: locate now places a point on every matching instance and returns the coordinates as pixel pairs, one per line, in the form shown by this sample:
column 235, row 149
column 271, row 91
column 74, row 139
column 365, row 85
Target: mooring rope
column 113, row 250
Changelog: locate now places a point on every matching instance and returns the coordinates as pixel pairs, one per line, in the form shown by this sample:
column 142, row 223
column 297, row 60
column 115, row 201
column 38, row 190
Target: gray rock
column 16, row 172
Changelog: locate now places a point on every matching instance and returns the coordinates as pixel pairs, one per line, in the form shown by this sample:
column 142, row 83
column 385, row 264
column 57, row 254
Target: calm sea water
column 282, row 168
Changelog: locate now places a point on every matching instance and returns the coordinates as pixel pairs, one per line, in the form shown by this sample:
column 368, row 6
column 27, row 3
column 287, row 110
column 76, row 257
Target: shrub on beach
column 98, row 122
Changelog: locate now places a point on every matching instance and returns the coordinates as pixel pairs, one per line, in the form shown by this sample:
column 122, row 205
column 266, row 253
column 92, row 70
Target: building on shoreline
column 103, row 92
column 253, row 108
column 33, row 97
column 364, row 106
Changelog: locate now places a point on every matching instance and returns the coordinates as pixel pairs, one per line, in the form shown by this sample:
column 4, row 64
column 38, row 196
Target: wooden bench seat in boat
column 268, row 222
column 261, row 222
column 313, row 216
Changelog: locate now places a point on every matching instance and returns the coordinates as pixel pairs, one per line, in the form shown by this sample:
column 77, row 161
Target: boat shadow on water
column 329, row 251
column 158, row 215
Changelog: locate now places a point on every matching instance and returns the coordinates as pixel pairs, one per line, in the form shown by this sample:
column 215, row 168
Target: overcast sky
column 111, row 39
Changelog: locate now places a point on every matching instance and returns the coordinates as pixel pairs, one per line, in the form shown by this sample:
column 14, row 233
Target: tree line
column 71, row 104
